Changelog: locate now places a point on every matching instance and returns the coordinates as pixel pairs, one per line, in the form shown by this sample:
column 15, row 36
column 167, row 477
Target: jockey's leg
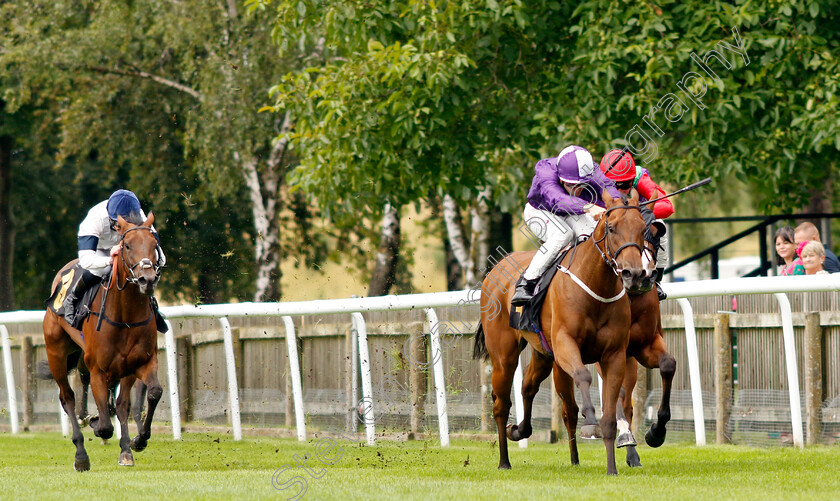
column 661, row 264
column 71, row 302
column 555, row 233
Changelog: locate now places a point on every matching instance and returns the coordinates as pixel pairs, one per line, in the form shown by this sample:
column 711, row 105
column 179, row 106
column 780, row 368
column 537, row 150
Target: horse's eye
column 127, row 247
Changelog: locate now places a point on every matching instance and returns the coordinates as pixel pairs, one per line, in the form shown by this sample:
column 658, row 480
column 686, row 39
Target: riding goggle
column 624, row 185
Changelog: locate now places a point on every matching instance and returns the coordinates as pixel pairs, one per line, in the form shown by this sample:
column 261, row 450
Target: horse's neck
column 126, row 302
column 589, row 266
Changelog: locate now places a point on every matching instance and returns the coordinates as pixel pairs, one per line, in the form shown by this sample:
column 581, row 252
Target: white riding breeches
column 552, row 232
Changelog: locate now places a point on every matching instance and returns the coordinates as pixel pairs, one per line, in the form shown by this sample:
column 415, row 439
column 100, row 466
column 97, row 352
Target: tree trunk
column 265, row 193
column 480, row 239
column 387, row 255
column 7, row 230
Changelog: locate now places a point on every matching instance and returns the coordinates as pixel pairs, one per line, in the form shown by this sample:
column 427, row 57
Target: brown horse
column 581, row 326
column 646, row 346
column 120, row 345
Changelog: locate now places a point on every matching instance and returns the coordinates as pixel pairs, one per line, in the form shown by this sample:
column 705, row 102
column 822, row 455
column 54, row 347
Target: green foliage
column 407, row 97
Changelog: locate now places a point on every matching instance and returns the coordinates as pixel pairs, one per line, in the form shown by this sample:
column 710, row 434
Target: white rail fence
column 680, row 291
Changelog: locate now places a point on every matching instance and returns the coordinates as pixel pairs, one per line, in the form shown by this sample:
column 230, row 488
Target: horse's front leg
column 567, row 356
column 123, row 403
column 148, row 374
column 657, row 356
column 613, row 366
column 137, row 402
column 537, row 371
column 101, row 425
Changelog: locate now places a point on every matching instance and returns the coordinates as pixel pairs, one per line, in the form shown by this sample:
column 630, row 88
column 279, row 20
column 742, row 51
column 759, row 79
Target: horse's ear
column 634, row 197
column 149, row 220
column 122, row 225
column 609, row 201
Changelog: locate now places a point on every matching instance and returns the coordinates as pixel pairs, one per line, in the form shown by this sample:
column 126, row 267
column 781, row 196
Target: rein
column 144, row 263
column 607, row 254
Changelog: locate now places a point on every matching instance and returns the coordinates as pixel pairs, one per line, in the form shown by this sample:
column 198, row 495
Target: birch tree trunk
column 264, row 193
column 7, row 230
column 472, row 255
column 387, row 255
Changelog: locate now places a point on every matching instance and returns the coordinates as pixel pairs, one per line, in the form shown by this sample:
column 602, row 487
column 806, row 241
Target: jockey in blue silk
column 564, row 196
column 99, row 242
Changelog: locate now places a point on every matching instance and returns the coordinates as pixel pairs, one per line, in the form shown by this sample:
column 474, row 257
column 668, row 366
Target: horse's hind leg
column 537, row 371
column 82, row 409
column 148, row 374
column 137, row 403
column 625, row 410
column 564, row 386
column 57, row 353
column 656, row 355
column 123, row 403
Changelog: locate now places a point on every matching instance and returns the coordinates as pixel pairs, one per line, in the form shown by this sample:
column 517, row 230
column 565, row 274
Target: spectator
column 786, row 249
column 807, row 231
column 812, row 254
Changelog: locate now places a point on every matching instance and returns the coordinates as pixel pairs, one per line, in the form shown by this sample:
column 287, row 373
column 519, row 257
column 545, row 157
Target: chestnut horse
column 646, row 346
column 585, row 319
column 119, row 345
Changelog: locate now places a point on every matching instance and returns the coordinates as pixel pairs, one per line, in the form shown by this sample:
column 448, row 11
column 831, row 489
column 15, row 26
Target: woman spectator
column 812, row 254
column 786, row 249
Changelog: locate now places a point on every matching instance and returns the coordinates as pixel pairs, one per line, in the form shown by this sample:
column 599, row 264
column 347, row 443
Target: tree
column 199, row 152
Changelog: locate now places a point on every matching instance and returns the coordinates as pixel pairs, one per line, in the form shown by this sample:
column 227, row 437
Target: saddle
column 527, row 316
column 69, row 280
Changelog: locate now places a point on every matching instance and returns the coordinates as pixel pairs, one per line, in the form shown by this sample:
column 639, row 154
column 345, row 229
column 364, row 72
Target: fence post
column 172, row 381
column 27, row 382
column 723, row 376
column 418, row 382
column 10, row 378
column 639, row 399
column 485, row 369
column 233, row 387
column 813, row 377
column 184, row 348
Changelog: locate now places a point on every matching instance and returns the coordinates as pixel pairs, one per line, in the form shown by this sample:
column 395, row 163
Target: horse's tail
column 480, row 348
column 42, row 368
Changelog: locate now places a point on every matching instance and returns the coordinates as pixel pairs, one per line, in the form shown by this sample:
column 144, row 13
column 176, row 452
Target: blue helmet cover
column 124, row 203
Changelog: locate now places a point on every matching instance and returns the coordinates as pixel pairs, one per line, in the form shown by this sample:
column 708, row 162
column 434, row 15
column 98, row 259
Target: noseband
column 143, row 264
column 608, row 255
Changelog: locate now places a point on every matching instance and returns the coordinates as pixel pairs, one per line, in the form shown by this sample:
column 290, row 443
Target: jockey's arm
column 650, row 190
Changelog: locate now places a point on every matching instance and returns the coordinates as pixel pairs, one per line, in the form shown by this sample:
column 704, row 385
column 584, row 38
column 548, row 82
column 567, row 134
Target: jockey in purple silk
column 564, row 196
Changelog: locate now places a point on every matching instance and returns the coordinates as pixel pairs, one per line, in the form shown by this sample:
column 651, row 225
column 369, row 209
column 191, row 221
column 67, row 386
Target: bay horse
column 119, row 345
column 585, row 319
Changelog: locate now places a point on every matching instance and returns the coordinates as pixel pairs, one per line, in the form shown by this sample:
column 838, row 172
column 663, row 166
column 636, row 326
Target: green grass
column 202, row 466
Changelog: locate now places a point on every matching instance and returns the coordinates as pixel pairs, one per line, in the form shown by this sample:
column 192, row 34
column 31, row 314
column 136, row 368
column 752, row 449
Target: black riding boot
column 660, row 272
column 524, row 291
column 71, row 302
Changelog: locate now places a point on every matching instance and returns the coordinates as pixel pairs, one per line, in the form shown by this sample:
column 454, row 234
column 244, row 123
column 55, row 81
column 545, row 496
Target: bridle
column 607, row 254
column 143, row 264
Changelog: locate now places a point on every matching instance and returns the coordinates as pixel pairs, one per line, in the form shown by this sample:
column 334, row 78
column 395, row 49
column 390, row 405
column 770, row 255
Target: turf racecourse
column 203, row 466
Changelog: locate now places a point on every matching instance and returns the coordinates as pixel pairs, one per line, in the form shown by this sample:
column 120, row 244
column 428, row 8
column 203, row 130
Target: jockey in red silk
column 564, row 195
column 619, row 166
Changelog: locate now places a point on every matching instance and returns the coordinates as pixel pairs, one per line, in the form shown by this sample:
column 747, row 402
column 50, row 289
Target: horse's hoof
column 654, row 439
column 138, row 443
column 590, row 432
column 84, row 421
column 633, row 460
column 625, row 439
column 126, row 459
column 505, row 466
column 82, row 464
column 516, row 433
